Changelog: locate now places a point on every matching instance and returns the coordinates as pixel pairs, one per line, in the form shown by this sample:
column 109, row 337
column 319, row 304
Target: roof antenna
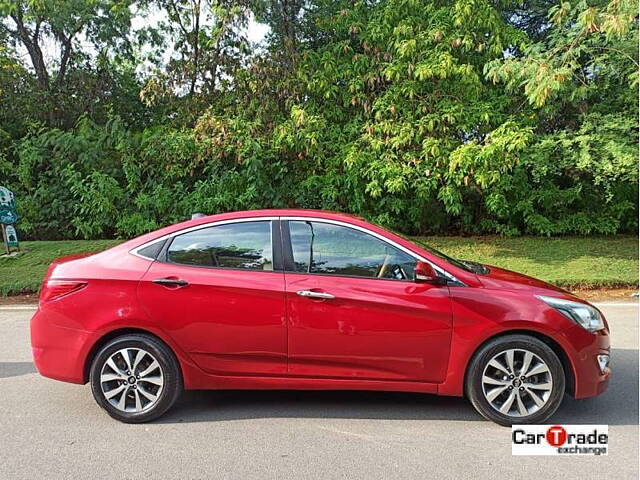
column 195, row 216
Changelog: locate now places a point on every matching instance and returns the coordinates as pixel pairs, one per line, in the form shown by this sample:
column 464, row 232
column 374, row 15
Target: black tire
column 170, row 371
column 474, row 384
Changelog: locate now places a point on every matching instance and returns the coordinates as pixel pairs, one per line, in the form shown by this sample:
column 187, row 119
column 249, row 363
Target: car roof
column 283, row 212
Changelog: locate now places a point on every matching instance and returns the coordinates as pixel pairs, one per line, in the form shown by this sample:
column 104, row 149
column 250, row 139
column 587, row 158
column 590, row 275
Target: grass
column 569, row 262
column 23, row 273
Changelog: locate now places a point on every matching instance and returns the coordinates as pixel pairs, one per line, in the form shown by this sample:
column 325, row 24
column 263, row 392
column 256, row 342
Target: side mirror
column 425, row 273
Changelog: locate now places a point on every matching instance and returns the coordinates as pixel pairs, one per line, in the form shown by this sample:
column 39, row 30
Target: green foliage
column 72, row 48
column 458, row 116
column 583, row 44
column 582, row 181
column 580, row 174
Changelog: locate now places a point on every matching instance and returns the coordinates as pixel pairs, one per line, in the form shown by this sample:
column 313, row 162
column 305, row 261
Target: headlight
column 584, row 315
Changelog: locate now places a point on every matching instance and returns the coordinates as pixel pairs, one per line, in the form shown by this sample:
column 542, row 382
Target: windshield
column 472, row 267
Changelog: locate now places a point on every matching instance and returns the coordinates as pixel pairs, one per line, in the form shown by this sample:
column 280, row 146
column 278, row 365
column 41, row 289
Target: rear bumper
column 59, row 352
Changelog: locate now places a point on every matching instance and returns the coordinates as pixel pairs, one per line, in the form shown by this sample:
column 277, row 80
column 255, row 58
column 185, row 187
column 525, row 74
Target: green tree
column 448, row 116
column 74, row 30
column 207, row 48
column 581, row 81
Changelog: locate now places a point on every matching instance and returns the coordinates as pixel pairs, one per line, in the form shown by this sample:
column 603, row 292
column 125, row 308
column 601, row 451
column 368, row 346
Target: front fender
column 481, row 314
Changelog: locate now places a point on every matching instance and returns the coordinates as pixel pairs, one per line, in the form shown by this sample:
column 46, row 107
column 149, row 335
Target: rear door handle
column 171, row 282
column 312, row 294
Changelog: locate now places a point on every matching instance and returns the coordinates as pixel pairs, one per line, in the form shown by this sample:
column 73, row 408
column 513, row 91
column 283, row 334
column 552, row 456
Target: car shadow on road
column 16, row 369
column 617, row 406
column 205, row 406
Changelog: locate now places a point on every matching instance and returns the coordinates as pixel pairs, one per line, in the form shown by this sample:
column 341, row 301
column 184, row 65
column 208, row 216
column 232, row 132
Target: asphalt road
column 55, row 430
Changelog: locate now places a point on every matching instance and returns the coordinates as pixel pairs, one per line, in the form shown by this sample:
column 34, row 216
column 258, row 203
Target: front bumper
column 59, row 352
column 591, row 378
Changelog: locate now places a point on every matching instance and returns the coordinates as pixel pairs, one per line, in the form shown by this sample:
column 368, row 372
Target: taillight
column 53, row 289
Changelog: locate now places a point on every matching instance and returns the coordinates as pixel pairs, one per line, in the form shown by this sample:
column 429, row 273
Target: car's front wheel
column 516, row 379
column 135, row 378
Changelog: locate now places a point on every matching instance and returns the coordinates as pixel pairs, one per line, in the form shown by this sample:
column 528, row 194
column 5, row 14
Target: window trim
column 274, row 235
column 289, row 264
column 283, row 244
column 288, row 250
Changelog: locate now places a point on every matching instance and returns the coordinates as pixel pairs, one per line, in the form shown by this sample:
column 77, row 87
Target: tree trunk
column 35, row 52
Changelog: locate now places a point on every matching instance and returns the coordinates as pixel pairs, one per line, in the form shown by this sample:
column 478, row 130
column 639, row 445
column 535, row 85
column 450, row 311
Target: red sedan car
column 301, row 299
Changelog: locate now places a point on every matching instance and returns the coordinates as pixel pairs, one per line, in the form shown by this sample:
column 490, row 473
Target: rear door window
column 243, row 245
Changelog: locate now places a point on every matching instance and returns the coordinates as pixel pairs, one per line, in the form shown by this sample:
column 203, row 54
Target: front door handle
column 312, row 294
column 171, row 282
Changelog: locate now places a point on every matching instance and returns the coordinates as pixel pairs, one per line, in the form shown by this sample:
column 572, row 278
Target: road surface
column 55, row 430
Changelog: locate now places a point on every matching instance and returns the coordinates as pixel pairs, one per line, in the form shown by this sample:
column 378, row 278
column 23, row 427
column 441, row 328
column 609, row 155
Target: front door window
column 327, row 249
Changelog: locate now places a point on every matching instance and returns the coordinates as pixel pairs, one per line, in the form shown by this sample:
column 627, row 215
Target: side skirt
column 204, row 381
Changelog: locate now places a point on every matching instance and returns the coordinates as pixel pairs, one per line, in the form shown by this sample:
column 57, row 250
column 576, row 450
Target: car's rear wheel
column 135, row 378
column 516, row 379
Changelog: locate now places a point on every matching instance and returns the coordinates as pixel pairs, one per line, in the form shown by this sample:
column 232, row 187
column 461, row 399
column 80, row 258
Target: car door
column 354, row 309
column 219, row 292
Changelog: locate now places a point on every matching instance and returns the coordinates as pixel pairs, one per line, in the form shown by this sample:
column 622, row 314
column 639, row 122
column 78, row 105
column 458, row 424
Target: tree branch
column 31, row 43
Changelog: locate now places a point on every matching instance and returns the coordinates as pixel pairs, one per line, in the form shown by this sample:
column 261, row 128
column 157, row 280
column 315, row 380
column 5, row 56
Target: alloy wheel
column 132, row 380
column 517, row 382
